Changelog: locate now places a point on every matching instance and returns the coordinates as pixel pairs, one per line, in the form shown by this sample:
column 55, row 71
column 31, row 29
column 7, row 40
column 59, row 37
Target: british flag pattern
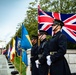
column 45, row 20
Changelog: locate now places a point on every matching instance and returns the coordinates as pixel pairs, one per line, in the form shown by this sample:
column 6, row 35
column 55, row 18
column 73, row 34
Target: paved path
column 4, row 66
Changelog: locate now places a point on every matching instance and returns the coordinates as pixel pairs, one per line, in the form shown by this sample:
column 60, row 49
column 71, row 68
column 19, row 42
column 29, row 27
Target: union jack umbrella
column 45, row 20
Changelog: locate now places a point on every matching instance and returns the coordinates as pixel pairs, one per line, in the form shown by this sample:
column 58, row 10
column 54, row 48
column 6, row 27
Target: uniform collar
column 57, row 33
column 43, row 41
column 35, row 44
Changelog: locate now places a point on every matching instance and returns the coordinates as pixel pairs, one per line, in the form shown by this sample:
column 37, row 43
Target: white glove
column 48, row 57
column 37, row 63
column 48, row 60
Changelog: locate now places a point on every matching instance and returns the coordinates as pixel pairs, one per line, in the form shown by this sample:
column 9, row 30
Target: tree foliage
column 31, row 21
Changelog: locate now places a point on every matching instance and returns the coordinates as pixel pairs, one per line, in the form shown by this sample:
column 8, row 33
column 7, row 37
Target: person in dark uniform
column 56, row 48
column 34, row 69
column 41, row 63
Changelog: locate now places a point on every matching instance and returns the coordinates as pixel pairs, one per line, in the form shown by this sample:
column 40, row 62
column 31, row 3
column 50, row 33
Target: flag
column 8, row 55
column 25, row 39
column 17, row 45
column 24, row 58
column 12, row 55
column 45, row 20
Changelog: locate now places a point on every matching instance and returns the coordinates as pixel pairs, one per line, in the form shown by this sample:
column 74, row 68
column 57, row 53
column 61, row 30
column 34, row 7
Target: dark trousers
column 43, row 69
column 34, row 69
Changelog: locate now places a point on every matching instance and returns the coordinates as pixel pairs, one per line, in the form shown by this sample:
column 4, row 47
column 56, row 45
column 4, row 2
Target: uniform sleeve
column 42, row 60
column 62, row 46
column 35, row 54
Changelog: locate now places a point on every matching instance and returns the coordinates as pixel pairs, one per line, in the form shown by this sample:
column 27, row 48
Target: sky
column 12, row 12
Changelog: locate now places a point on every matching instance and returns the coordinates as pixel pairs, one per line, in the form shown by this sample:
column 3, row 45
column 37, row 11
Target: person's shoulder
column 62, row 36
column 48, row 41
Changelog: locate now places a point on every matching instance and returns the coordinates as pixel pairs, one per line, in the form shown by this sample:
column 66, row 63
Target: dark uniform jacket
column 34, row 57
column 56, row 47
column 41, row 51
column 34, row 53
column 43, row 67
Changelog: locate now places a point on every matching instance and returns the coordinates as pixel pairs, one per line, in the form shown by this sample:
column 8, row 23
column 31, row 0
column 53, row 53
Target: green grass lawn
column 18, row 66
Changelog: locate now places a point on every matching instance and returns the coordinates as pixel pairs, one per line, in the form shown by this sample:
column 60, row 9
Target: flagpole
column 38, row 38
column 14, row 54
column 20, row 63
column 20, row 58
column 15, row 58
column 38, row 42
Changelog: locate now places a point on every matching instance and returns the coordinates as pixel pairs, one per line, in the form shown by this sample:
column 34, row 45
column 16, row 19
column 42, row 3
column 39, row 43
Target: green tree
column 31, row 21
